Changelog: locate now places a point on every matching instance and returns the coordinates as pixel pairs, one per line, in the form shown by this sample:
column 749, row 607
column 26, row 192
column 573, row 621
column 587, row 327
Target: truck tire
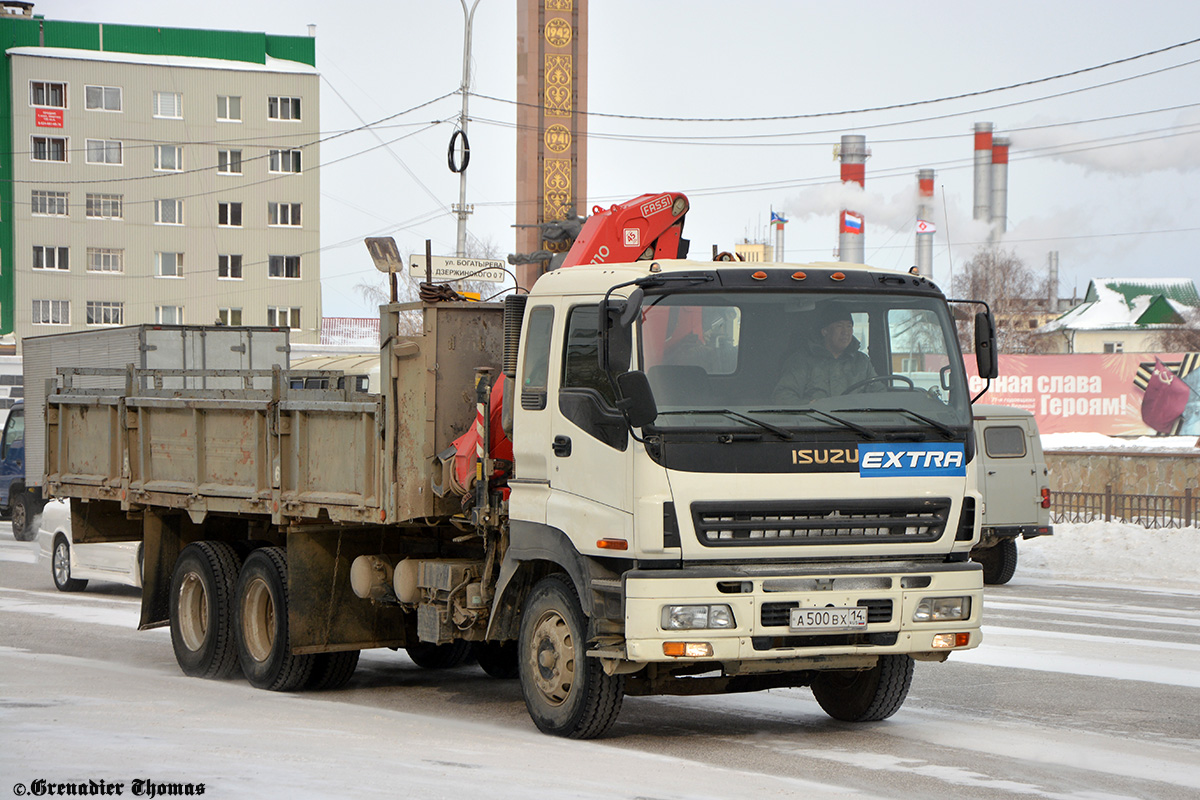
column 566, row 692
column 60, row 567
column 440, row 656
column 201, row 610
column 999, row 562
column 865, row 695
column 25, row 513
column 498, row 659
column 332, row 670
column 260, row 620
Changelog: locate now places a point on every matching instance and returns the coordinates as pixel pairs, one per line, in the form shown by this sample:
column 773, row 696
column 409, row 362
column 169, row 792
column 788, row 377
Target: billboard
column 1116, row 394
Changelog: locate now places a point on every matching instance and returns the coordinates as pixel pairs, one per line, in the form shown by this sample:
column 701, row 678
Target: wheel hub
column 62, row 563
column 554, row 654
column 258, row 620
column 193, row 611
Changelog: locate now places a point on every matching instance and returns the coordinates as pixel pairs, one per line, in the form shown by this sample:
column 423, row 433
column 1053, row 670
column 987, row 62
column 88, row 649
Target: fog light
column 942, row 609
column 682, row 618
column 687, row 649
column 943, row 641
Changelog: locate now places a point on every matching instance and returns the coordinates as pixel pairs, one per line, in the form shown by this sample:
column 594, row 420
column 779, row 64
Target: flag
column 777, row 219
column 851, row 222
column 925, row 226
column 1165, row 398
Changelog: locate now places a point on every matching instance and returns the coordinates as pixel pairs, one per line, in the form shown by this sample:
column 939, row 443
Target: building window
column 283, row 108
column 168, row 157
column 229, row 162
column 51, row 257
column 283, row 213
column 229, row 108
column 283, row 266
column 1114, row 347
column 105, row 206
column 168, row 315
column 229, row 214
column 229, row 316
column 168, row 105
column 45, row 93
column 168, row 212
column 168, row 265
column 283, row 161
column 229, row 267
column 102, row 98
column 105, row 312
column 54, row 148
column 104, row 151
column 105, row 259
column 51, row 312
column 48, row 204
column 278, row 317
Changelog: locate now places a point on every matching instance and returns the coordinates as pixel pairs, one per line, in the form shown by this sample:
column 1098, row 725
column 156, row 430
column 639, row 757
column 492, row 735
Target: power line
column 891, row 107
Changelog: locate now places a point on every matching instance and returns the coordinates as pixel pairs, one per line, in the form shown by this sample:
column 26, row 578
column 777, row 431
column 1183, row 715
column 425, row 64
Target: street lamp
column 462, row 210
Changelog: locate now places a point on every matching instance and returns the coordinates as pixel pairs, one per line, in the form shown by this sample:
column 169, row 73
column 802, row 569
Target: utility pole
column 461, row 209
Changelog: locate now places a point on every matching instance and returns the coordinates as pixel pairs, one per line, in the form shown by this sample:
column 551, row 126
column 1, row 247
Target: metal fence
column 1148, row 510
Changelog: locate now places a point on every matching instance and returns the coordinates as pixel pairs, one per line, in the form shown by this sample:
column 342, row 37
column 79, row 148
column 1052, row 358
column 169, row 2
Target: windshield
column 871, row 364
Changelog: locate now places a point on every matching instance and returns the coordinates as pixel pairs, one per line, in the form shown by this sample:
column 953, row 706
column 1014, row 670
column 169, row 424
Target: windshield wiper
column 845, row 423
column 766, row 426
column 941, row 426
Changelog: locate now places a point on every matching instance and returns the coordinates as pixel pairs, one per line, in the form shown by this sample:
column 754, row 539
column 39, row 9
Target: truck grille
column 820, row 522
column 775, row 615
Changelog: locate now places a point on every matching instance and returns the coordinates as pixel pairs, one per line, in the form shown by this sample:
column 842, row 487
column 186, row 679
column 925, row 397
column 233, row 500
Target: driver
column 824, row 367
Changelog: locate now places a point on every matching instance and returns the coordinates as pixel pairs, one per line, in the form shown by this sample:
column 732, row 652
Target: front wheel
column 865, row 695
column 566, row 692
column 999, row 562
column 60, row 568
column 25, row 513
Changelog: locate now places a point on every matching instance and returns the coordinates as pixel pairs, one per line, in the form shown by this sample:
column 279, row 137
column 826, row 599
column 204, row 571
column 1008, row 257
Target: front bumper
column 761, row 603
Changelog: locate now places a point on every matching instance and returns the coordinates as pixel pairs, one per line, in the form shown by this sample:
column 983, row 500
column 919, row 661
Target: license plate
column 828, row 619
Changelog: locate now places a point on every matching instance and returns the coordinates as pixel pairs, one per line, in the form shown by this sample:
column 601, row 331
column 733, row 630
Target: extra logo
column 891, row 460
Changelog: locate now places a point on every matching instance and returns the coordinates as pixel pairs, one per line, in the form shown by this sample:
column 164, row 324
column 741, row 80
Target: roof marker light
column 759, row 276
column 798, row 276
column 838, row 276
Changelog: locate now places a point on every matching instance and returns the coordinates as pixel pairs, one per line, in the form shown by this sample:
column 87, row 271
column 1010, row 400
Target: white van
column 1015, row 484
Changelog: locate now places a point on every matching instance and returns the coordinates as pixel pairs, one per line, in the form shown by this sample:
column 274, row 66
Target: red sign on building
column 48, row 117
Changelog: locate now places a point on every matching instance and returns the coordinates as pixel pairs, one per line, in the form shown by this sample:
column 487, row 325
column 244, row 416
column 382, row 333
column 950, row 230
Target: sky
column 1104, row 162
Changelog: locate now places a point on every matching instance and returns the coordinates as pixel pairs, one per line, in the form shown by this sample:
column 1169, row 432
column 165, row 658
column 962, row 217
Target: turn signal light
column 1045, row 498
column 687, row 649
column 612, row 544
column 944, row 641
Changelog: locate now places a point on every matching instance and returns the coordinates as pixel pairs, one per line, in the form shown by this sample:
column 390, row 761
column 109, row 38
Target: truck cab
column 1014, row 480
column 15, row 502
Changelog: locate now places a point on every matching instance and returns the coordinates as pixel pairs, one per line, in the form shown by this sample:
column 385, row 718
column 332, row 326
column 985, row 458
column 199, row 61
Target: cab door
column 12, row 454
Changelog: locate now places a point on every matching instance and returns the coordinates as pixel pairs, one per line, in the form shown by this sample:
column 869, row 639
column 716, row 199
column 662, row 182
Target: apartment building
column 158, row 176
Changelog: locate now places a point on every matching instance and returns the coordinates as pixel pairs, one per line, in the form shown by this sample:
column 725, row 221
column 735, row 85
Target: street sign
column 452, row 268
column 385, row 254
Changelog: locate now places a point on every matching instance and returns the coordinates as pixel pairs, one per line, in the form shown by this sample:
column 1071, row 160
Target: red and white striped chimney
column 851, row 225
column 983, row 171
column 925, row 228
column 1000, row 145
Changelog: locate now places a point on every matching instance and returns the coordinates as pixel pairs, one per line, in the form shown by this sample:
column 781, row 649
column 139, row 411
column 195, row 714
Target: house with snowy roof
column 1122, row 315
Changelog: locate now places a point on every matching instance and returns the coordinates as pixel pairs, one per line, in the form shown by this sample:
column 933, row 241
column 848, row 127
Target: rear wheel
column 566, row 692
column 332, row 670
column 25, row 513
column 439, row 656
column 201, row 610
column 60, row 567
column 999, row 562
column 264, row 640
column 865, row 695
column 498, row 659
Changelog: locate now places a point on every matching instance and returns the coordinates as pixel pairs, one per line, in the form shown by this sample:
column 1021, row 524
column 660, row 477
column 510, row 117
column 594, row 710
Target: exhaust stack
column 1000, row 145
column 853, row 154
column 983, row 171
column 925, row 227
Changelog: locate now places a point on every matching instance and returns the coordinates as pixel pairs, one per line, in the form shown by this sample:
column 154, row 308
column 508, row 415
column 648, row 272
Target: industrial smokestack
column 1052, row 283
column 925, row 227
column 853, row 153
column 1000, row 146
column 983, row 171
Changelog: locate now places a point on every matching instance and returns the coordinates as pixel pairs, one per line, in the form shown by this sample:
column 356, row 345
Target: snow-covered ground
column 1098, row 441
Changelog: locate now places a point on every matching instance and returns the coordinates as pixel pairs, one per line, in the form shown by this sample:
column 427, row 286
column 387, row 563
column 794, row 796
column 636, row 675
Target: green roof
column 1181, row 290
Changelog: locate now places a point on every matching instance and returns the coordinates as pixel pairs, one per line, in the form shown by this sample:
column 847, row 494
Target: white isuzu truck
column 631, row 511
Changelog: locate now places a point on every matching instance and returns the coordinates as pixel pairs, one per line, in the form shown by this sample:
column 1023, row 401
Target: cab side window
column 586, row 396
column 535, row 367
column 1006, row 441
column 14, row 431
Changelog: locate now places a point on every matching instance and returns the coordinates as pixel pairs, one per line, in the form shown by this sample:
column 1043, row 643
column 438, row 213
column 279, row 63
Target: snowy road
column 1079, row 691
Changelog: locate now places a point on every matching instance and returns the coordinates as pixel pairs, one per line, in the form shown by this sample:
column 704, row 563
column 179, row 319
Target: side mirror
column 637, row 399
column 615, row 329
column 986, row 358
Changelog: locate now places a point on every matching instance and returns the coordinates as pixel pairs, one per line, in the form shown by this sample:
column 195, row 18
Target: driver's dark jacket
column 812, row 373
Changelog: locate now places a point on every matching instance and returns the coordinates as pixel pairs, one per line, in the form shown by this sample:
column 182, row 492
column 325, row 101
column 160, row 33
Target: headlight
column 682, row 618
column 942, row 609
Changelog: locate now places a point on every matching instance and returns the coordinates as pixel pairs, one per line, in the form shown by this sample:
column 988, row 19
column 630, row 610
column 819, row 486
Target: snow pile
column 1098, row 441
column 1114, row 553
